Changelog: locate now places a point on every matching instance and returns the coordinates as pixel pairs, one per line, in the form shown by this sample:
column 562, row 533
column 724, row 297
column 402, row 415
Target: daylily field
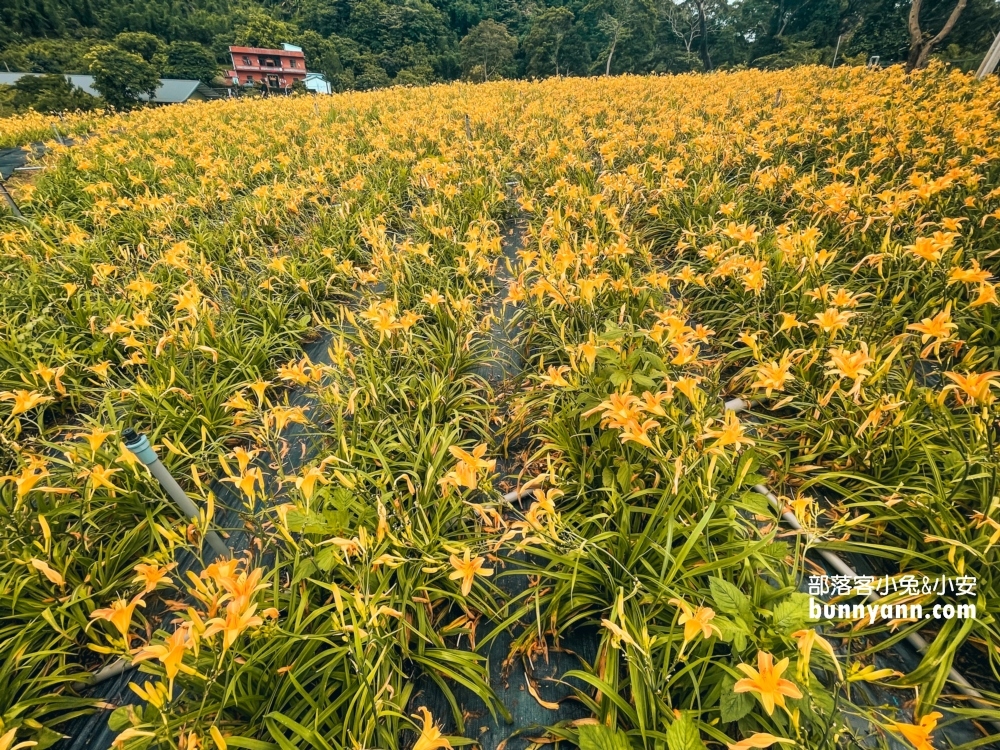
column 451, row 364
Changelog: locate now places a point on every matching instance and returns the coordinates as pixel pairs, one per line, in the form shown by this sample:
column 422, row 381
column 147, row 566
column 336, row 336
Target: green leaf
column 587, row 422
column 643, row 381
column 303, row 570
column 777, row 550
column 618, row 377
column 46, row 738
column 791, row 613
column 655, row 361
column 683, row 735
column 119, row 718
column 754, row 502
column 600, row 737
column 733, row 631
column 327, row 558
column 625, row 476
column 734, row 706
column 728, row 598
column 303, row 521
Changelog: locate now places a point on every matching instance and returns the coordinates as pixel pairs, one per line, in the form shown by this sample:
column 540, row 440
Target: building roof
column 170, row 90
column 267, row 51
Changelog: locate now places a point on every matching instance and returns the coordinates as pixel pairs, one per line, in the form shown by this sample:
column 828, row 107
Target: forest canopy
column 365, row 44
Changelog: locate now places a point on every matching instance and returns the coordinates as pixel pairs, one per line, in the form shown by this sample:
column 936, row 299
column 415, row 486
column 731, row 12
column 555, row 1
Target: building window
column 249, row 79
column 295, row 63
column 246, row 60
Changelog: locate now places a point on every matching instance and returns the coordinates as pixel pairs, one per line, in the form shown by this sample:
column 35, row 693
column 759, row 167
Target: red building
column 278, row 68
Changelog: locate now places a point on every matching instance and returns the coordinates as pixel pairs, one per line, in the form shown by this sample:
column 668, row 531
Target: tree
column 706, row 60
column 553, row 44
column 261, row 30
column 141, row 43
column 614, row 27
column 682, row 19
column 921, row 47
column 50, row 93
column 47, row 56
column 624, row 23
column 371, row 77
column 321, row 54
column 691, row 21
column 189, row 60
column 404, row 34
column 487, row 50
column 122, row 77
column 416, row 75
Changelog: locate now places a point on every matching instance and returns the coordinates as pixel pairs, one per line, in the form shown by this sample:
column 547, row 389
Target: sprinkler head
column 130, row 436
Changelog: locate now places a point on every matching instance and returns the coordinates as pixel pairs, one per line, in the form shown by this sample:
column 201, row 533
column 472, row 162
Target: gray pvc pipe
column 738, row 405
column 139, row 446
column 963, row 685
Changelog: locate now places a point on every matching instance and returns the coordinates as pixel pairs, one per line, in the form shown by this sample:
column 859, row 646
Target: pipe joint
column 139, row 446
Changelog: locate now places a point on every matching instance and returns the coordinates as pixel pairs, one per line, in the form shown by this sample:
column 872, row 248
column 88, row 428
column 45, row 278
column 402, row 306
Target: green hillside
column 365, row 44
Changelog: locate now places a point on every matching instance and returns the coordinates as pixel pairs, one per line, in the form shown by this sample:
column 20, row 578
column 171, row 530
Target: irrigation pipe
column 10, row 200
column 964, row 686
column 738, row 405
column 139, row 446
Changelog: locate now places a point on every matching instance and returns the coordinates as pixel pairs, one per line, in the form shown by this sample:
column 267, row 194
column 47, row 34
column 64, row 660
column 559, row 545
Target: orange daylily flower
column 466, row 570
column 730, row 434
column 233, row 624
column 98, row 476
column 757, row 741
column 466, row 471
column 974, row 385
column 695, row 621
column 807, row 639
column 24, row 400
column 247, row 482
column 772, row 376
column 973, row 275
column 635, row 431
column 766, row 682
column 96, row 437
column 554, row 377
column 285, row 415
column 119, row 613
column 306, row 484
column 242, row 587
column 938, row 328
column 833, row 320
column 430, row 735
column 788, row 322
column 919, row 734
column 170, row 654
column 152, row 574
column 987, row 296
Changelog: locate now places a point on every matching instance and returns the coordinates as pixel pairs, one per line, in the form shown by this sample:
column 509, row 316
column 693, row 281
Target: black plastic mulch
column 508, row 678
column 92, row 731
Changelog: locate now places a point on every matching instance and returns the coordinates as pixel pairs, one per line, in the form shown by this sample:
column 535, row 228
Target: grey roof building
column 170, row 90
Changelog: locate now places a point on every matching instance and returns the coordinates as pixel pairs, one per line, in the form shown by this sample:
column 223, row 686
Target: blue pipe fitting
column 139, row 446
